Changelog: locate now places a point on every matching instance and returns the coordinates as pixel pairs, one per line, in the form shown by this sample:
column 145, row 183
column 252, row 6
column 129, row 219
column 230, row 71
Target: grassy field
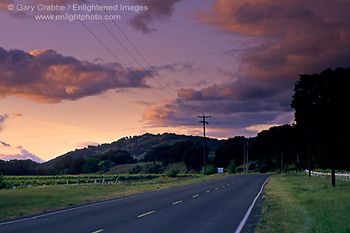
column 298, row 203
column 27, row 201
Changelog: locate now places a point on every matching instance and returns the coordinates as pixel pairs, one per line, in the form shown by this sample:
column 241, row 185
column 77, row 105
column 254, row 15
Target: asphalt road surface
column 217, row 206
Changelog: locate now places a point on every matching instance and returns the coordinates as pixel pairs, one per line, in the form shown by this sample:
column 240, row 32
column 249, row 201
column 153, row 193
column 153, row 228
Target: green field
column 298, row 203
column 43, row 198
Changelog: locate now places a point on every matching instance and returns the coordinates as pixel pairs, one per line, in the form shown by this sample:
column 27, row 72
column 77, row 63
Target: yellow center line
column 216, row 188
column 177, row 202
column 142, row 215
column 207, row 191
column 98, row 231
column 195, row 196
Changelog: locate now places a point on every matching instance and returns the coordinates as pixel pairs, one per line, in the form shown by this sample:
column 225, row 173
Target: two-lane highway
column 213, row 206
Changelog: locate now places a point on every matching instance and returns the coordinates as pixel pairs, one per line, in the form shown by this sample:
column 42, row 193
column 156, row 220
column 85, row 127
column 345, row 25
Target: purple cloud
column 49, row 77
column 158, row 10
column 9, row 153
column 2, row 119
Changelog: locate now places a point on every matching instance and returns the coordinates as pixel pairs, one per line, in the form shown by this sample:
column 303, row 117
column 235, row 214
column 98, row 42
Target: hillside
column 137, row 146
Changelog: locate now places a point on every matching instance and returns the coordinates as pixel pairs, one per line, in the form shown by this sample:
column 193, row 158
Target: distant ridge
column 137, row 146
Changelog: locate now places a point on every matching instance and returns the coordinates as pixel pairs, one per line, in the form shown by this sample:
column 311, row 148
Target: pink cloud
column 9, row 153
column 49, row 77
column 86, row 144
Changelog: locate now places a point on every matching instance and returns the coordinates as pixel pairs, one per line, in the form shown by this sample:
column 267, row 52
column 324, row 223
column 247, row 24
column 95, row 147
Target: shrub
column 153, row 169
column 135, row 170
column 211, row 169
column 232, row 167
column 3, row 183
column 173, row 173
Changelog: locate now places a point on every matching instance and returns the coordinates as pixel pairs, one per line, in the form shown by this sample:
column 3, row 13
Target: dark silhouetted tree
column 320, row 102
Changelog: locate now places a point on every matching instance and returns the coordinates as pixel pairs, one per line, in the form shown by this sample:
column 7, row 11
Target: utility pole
column 203, row 120
column 244, row 156
column 297, row 162
column 282, row 166
column 247, row 157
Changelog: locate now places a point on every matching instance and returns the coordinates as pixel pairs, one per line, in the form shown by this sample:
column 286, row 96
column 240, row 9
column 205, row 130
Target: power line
column 137, row 51
column 140, row 54
column 110, row 51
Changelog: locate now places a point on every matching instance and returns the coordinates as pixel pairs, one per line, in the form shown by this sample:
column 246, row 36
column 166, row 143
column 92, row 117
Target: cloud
column 9, row 153
column 142, row 103
column 228, row 118
column 4, row 144
column 49, row 77
column 86, row 144
column 158, row 10
column 2, row 119
column 178, row 67
column 276, row 41
column 290, row 36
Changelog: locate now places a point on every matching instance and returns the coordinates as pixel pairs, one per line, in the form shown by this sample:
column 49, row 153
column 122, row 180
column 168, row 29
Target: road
column 216, row 206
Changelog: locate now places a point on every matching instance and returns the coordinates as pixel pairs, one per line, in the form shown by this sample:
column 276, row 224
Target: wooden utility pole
column 297, row 170
column 203, row 117
column 282, row 166
column 244, row 155
column 247, row 159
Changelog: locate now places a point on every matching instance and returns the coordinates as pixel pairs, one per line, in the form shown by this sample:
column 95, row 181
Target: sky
column 75, row 73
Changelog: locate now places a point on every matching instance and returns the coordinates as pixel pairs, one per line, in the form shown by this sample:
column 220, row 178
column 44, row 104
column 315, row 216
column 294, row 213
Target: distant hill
column 137, row 146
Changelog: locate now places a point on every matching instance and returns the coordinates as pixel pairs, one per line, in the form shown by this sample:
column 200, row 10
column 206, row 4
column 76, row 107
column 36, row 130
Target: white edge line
column 244, row 220
column 70, row 209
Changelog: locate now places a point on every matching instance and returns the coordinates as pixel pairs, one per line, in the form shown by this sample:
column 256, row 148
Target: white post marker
column 244, row 220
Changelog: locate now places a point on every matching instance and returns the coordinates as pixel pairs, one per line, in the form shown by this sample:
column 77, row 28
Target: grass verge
column 28, row 201
column 298, row 203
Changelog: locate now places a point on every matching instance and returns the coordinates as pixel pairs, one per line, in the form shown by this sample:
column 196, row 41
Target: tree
column 230, row 149
column 91, row 165
column 168, row 153
column 64, row 165
column 117, row 157
column 320, row 102
column 77, row 165
column 105, row 165
column 275, row 148
column 193, row 157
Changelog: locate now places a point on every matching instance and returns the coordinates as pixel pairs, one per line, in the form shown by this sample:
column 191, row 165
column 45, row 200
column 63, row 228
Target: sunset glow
column 67, row 84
